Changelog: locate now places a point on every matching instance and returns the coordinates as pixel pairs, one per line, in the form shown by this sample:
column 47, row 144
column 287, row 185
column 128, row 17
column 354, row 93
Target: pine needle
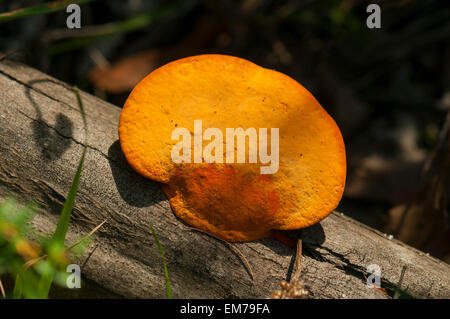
column 2, row 290
column 33, row 261
column 86, row 236
column 232, row 247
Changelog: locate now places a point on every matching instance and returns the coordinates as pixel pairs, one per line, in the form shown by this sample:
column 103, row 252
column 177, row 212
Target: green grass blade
column 63, row 223
column 166, row 273
column 64, row 218
column 18, row 286
column 45, row 284
column 89, row 34
column 38, row 9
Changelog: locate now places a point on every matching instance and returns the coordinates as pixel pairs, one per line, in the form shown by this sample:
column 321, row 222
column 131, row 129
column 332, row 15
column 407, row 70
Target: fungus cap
column 234, row 201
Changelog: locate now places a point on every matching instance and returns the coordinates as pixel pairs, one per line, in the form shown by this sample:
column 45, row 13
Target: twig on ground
column 294, row 289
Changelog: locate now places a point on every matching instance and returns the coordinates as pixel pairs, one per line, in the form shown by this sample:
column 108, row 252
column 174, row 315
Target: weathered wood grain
column 41, row 141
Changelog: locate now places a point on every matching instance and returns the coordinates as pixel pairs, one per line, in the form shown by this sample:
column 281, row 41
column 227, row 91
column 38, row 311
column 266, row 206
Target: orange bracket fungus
column 240, row 150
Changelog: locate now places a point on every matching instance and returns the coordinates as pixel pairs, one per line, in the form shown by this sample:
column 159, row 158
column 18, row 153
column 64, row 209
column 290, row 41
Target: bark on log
column 41, row 141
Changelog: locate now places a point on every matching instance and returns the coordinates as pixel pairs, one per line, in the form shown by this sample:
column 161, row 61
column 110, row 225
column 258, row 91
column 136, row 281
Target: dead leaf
column 123, row 75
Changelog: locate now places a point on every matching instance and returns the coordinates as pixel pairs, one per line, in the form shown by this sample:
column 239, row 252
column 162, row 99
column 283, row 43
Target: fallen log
column 41, row 141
